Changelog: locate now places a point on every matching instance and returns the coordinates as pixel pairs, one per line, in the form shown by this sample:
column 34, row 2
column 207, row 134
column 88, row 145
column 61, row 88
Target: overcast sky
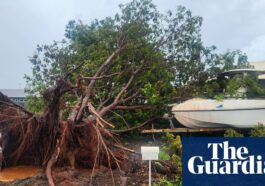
column 228, row 24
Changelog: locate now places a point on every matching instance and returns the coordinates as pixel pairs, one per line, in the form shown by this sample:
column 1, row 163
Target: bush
column 258, row 131
column 232, row 133
column 163, row 154
column 172, row 150
column 164, row 182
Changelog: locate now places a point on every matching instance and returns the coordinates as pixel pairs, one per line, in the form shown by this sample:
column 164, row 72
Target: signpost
column 150, row 153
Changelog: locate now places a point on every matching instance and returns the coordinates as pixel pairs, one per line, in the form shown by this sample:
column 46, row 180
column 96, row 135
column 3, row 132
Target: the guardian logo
column 223, row 161
column 232, row 161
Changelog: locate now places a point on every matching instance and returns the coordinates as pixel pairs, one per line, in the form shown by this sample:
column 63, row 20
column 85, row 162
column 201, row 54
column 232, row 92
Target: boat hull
column 228, row 113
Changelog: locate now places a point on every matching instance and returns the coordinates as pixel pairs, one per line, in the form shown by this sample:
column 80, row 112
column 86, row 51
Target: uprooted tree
column 116, row 72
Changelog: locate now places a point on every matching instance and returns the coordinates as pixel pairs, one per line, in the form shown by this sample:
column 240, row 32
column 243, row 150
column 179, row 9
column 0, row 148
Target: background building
column 16, row 95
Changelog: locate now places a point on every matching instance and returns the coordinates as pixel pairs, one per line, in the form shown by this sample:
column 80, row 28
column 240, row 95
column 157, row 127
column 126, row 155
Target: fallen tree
column 103, row 75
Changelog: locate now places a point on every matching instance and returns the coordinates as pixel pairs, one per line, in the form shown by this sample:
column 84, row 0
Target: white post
column 150, row 153
column 149, row 172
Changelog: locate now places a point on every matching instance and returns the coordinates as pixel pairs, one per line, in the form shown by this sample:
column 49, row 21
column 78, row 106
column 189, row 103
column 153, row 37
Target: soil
column 134, row 172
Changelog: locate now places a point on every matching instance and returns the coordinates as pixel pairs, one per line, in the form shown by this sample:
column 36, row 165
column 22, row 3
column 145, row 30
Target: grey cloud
column 228, row 24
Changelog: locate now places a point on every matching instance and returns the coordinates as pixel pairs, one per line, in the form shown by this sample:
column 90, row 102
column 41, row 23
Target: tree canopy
column 126, row 64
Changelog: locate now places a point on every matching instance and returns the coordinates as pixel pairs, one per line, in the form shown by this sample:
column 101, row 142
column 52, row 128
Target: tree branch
column 134, row 107
column 130, row 97
column 136, row 127
column 92, row 83
column 118, row 97
column 127, row 84
column 74, row 69
column 101, row 77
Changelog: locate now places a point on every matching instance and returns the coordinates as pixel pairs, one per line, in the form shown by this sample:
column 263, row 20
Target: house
column 16, row 95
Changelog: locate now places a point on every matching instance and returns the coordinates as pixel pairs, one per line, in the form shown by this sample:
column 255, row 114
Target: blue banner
column 223, row 161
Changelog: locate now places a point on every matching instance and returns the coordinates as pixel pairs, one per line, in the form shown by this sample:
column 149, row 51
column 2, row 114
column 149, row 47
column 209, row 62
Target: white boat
column 209, row 113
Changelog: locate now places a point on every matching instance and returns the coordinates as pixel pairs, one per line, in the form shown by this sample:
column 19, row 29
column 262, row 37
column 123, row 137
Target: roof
column 14, row 93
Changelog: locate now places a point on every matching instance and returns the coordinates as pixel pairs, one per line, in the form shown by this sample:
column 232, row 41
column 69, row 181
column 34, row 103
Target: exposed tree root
column 44, row 140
